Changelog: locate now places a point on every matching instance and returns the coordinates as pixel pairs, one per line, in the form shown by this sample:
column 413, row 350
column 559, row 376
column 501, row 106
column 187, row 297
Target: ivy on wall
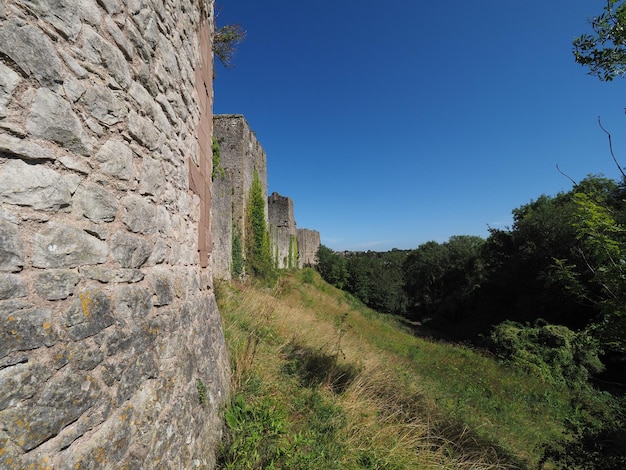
column 257, row 243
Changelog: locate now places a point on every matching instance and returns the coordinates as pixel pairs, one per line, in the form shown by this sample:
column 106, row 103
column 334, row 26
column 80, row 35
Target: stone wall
column 308, row 244
column 282, row 228
column 111, row 347
column 241, row 157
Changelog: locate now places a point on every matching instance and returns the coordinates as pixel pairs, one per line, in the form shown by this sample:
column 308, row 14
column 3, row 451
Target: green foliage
column 553, row 352
column 237, row 265
column 225, row 42
column 217, row 168
column 259, row 262
column 202, row 391
column 293, row 252
column 331, row 266
column 256, row 433
column 438, row 276
column 604, row 51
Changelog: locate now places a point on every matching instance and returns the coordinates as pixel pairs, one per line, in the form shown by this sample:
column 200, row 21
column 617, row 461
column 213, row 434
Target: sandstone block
column 32, row 51
column 52, row 118
column 95, row 203
column 11, row 247
column 56, row 284
column 62, row 246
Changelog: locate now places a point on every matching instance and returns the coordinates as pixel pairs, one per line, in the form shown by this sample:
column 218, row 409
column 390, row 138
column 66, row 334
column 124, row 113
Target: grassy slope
column 320, row 381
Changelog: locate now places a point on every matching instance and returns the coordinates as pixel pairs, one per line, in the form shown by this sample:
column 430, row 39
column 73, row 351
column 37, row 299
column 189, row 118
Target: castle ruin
column 111, row 347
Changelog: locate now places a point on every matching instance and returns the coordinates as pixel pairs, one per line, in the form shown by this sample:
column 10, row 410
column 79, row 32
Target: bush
column 554, row 352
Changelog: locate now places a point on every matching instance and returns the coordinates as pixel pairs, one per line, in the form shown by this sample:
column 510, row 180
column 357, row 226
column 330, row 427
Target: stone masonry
column 308, row 244
column 283, row 234
column 111, row 347
column 241, row 157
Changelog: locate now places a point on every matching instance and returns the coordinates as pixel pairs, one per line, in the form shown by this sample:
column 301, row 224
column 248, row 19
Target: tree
column 331, row 267
column 604, row 52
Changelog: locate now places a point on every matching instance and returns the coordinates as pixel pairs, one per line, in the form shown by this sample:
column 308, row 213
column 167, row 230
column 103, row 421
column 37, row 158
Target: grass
column 320, row 381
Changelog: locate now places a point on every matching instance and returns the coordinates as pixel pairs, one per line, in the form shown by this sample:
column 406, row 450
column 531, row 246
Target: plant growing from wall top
column 257, row 243
column 225, row 43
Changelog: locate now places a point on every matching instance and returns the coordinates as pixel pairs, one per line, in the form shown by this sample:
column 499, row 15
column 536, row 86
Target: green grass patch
column 320, row 381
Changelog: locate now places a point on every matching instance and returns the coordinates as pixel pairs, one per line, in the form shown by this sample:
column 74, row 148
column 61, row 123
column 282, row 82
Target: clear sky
column 392, row 123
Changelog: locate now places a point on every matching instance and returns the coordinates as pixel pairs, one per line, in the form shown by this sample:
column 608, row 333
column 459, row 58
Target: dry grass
column 303, row 336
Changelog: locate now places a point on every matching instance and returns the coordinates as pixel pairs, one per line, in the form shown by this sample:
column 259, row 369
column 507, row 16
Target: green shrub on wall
column 293, row 252
column 236, row 269
column 258, row 250
column 217, row 168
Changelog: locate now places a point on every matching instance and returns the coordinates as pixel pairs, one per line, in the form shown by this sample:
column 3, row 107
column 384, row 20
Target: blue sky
column 393, row 123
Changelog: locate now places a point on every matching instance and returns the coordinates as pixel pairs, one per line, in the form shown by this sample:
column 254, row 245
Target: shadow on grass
column 316, row 367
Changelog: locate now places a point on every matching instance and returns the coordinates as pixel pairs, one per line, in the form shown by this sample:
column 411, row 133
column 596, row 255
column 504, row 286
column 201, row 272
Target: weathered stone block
column 162, row 287
column 32, row 51
column 56, row 284
column 97, row 273
column 85, row 357
column 100, row 51
column 63, row 246
column 115, row 159
column 23, row 327
column 21, row 382
column 64, row 399
column 89, row 314
column 34, row 185
column 103, row 105
column 127, row 275
column 67, row 15
column 11, row 286
column 152, row 177
column 130, row 251
column 143, row 367
column 95, row 203
column 51, row 117
column 8, row 81
column 23, row 148
column 143, row 131
column 133, row 302
column 11, row 247
column 139, row 215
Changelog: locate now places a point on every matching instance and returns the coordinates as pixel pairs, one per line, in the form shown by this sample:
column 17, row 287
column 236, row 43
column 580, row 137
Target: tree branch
column 611, row 148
